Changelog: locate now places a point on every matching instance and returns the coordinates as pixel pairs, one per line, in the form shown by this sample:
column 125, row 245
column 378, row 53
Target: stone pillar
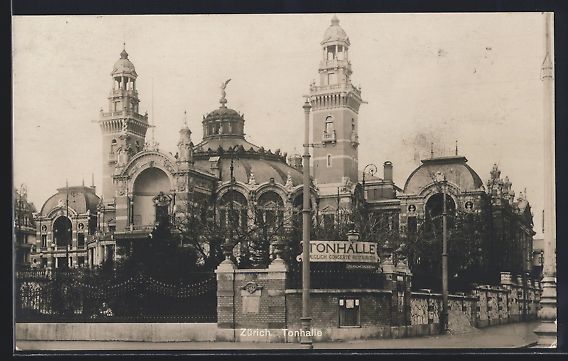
column 276, row 292
column 404, row 280
column 506, row 283
column 389, row 271
column 226, row 300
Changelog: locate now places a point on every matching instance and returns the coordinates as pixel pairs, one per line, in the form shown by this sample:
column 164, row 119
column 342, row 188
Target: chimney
column 387, row 171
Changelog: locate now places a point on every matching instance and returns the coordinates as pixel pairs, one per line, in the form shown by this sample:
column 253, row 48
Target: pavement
column 515, row 335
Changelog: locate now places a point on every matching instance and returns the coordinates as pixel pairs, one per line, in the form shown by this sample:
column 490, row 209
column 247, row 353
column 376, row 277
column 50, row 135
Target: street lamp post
column 444, row 315
column 306, row 320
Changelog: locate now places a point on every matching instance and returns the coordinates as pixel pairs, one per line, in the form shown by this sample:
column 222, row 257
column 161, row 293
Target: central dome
column 223, row 123
column 335, row 33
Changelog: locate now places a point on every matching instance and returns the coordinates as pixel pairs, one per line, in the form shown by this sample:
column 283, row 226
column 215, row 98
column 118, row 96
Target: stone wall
column 426, row 308
column 484, row 306
column 251, row 303
column 374, row 316
column 257, row 301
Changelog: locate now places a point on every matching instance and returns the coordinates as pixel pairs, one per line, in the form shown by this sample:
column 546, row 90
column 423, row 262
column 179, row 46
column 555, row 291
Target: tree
column 468, row 253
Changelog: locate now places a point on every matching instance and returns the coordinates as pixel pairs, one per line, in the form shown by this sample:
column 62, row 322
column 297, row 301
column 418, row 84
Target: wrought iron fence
column 77, row 296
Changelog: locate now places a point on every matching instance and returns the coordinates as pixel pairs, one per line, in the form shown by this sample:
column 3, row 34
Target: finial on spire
column 223, row 100
column 456, row 147
column 432, row 150
column 123, row 53
column 185, row 118
column 334, row 20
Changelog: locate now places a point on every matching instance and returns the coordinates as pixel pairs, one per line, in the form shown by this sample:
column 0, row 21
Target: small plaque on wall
column 251, row 304
column 250, row 296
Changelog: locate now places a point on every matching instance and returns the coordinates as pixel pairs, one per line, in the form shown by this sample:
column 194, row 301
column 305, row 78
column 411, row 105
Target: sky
column 426, row 78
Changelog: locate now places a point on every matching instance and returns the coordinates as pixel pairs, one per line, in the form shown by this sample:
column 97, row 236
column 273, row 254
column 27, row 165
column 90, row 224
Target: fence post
column 226, row 300
column 388, row 269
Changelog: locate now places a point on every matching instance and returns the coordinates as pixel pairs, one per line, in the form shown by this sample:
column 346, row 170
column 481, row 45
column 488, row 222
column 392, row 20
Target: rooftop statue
column 223, row 100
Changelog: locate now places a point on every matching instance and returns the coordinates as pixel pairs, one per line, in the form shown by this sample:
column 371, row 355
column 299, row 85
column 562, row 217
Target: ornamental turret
column 335, row 107
column 185, row 146
column 123, row 127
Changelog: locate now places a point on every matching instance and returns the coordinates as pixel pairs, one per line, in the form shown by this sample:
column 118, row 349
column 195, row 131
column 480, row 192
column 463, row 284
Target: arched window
column 328, row 124
column 233, row 210
column 62, row 232
column 331, row 52
column 329, row 160
column 270, row 211
column 435, row 207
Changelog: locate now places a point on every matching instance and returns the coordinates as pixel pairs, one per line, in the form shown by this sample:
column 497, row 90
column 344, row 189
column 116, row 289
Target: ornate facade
column 246, row 184
column 141, row 184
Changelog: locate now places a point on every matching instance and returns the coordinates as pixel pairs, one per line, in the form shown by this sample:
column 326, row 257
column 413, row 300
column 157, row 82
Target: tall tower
column 335, row 107
column 123, row 127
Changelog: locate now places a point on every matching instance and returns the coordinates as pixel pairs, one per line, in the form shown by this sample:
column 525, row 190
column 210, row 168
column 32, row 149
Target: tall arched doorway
column 62, row 232
column 149, row 183
column 435, row 208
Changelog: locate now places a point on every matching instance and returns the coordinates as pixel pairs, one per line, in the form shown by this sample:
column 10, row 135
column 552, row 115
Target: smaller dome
column 80, row 199
column 335, row 33
column 455, row 168
column 124, row 65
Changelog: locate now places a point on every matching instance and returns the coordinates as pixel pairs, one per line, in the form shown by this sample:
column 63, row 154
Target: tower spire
column 456, row 147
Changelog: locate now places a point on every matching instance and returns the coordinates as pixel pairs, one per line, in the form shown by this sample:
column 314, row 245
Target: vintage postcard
column 284, row 182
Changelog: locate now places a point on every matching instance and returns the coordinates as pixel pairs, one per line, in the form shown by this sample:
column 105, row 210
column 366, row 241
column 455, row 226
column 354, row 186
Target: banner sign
column 342, row 251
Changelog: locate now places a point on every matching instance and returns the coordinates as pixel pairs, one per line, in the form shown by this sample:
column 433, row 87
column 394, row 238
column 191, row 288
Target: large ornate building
column 243, row 181
column 141, row 183
column 24, row 227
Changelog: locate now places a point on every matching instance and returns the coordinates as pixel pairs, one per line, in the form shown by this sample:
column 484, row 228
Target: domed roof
column 223, row 112
column 335, row 33
column 455, row 169
column 124, row 65
column 80, row 199
column 263, row 170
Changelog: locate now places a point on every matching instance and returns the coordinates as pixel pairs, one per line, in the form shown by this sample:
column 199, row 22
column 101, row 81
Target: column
column 546, row 331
